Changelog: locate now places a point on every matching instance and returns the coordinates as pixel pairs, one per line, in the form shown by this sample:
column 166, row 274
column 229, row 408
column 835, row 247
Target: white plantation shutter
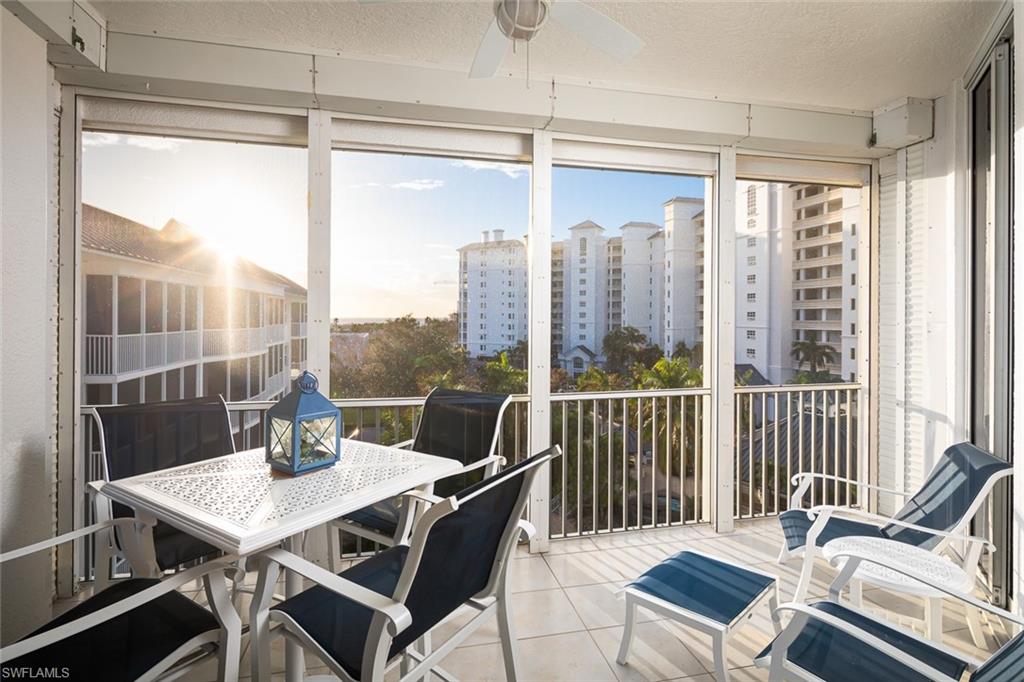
column 916, row 320
column 902, row 333
column 891, row 302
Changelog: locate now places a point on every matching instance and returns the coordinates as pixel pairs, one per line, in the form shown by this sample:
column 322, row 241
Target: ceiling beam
column 208, row 71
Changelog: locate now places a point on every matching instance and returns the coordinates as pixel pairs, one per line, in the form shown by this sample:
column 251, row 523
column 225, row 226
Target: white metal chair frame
column 227, row 641
column 720, row 633
column 107, row 541
column 391, row 616
column 821, row 514
column 782, row 669
column 490, row 464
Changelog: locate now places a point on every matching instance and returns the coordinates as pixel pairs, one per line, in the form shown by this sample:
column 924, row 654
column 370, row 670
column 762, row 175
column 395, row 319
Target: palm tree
column 596, row 379
column 815, row 355
column 669, row 373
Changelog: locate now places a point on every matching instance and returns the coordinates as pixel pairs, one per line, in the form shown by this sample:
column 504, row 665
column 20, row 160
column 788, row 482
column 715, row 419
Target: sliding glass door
column 990, row 296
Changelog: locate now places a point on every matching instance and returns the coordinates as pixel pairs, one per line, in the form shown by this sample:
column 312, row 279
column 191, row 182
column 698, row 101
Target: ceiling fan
column 522, row 20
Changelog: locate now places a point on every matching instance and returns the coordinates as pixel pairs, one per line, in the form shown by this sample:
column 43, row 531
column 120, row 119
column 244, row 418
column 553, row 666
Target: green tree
column 499, row 376
column 813, row 354
column 596, row 379
column 627, row 346
column 669, row 373
column 405, row 357
column 518, row 355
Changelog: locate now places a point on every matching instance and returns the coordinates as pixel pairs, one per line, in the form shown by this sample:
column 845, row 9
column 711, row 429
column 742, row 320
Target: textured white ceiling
column 857, row 55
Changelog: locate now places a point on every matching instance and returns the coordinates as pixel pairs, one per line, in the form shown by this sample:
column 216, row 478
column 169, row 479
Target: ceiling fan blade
column 597, row 28
column 490, row 53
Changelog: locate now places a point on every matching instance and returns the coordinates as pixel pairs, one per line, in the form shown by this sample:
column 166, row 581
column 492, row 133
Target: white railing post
column 723, row 341
column 539, row 264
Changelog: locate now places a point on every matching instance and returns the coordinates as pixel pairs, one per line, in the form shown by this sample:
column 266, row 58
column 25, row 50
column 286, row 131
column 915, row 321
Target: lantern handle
column 307, row 382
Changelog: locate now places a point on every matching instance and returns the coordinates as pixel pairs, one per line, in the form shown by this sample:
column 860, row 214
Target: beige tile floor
column 569, row 621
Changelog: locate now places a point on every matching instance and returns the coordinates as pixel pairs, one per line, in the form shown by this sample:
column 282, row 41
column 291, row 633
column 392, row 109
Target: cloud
column 420, row 185
column 159, row 144
column 512, row 170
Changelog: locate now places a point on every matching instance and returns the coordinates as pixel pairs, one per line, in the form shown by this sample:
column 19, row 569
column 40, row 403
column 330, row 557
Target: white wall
column 27, row 349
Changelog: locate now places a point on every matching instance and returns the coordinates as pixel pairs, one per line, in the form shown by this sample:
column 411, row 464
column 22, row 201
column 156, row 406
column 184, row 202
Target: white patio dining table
column 237, row 504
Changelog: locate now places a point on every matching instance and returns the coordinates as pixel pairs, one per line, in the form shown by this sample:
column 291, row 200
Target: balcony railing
column 106, row 355
column 785, row 430
column 631, row 459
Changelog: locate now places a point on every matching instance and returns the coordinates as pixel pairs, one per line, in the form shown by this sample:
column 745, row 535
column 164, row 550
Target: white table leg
column 139, row 548
column 933, row 618
column 294, row 658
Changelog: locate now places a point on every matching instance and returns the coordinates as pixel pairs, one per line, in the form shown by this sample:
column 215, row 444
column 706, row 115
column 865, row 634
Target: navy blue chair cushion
column 795, row 525
column 125, row 647
column 835, row 656
column 382, row 517
column 340, row 625
column 1005, row 665
column 458, row 425
column 708, row 587
column 174, row 547
column 140, row 439
column 457, row 561
column 945, row 498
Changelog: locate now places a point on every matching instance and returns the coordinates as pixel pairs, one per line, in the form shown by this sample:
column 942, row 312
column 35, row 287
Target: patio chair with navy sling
column 136, row 629
column 461, row 425
column 138, row 439
column 934, row 516
column 832, row 642
column 365, row 620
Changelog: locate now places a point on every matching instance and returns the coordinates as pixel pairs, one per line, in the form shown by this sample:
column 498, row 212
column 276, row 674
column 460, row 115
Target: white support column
column 318, row 292
column 70, row 332
column 722, row 336
column 539, row 255
column 1016, row 583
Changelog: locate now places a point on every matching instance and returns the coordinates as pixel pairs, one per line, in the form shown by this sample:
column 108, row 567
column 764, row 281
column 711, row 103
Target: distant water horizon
column 374, row 320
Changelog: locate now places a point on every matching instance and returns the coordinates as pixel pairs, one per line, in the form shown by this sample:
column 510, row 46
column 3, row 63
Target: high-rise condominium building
column 493, row 302
column 796, row 276
column 795, row 281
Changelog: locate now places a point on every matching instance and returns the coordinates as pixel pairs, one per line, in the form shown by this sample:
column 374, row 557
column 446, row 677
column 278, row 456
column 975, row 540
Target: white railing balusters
column 766, row 457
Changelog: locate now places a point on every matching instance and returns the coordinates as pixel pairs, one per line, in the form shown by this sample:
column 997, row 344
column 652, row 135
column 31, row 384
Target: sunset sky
column 397, row 220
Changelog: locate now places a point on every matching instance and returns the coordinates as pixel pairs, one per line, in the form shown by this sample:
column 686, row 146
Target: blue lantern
column 303, row 430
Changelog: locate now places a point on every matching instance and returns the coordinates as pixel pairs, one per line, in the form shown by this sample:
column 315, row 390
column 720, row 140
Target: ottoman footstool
column 704, row 592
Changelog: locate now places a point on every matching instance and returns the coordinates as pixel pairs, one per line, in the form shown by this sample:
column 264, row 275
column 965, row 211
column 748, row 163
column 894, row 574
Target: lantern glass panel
column 317, row 440
column 281, row 440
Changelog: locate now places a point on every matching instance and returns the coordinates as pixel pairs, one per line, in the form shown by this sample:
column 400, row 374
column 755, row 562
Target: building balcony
column 105, row 355
column 298, row 330
column 821, row 282
column 822, row 325
column 820, row 240
column 822, row 219
column 820, row 198
column 818, row 262
column 108, row 355
column 818, row 304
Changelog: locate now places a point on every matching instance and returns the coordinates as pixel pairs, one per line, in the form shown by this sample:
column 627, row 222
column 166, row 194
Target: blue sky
column 397, row 220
